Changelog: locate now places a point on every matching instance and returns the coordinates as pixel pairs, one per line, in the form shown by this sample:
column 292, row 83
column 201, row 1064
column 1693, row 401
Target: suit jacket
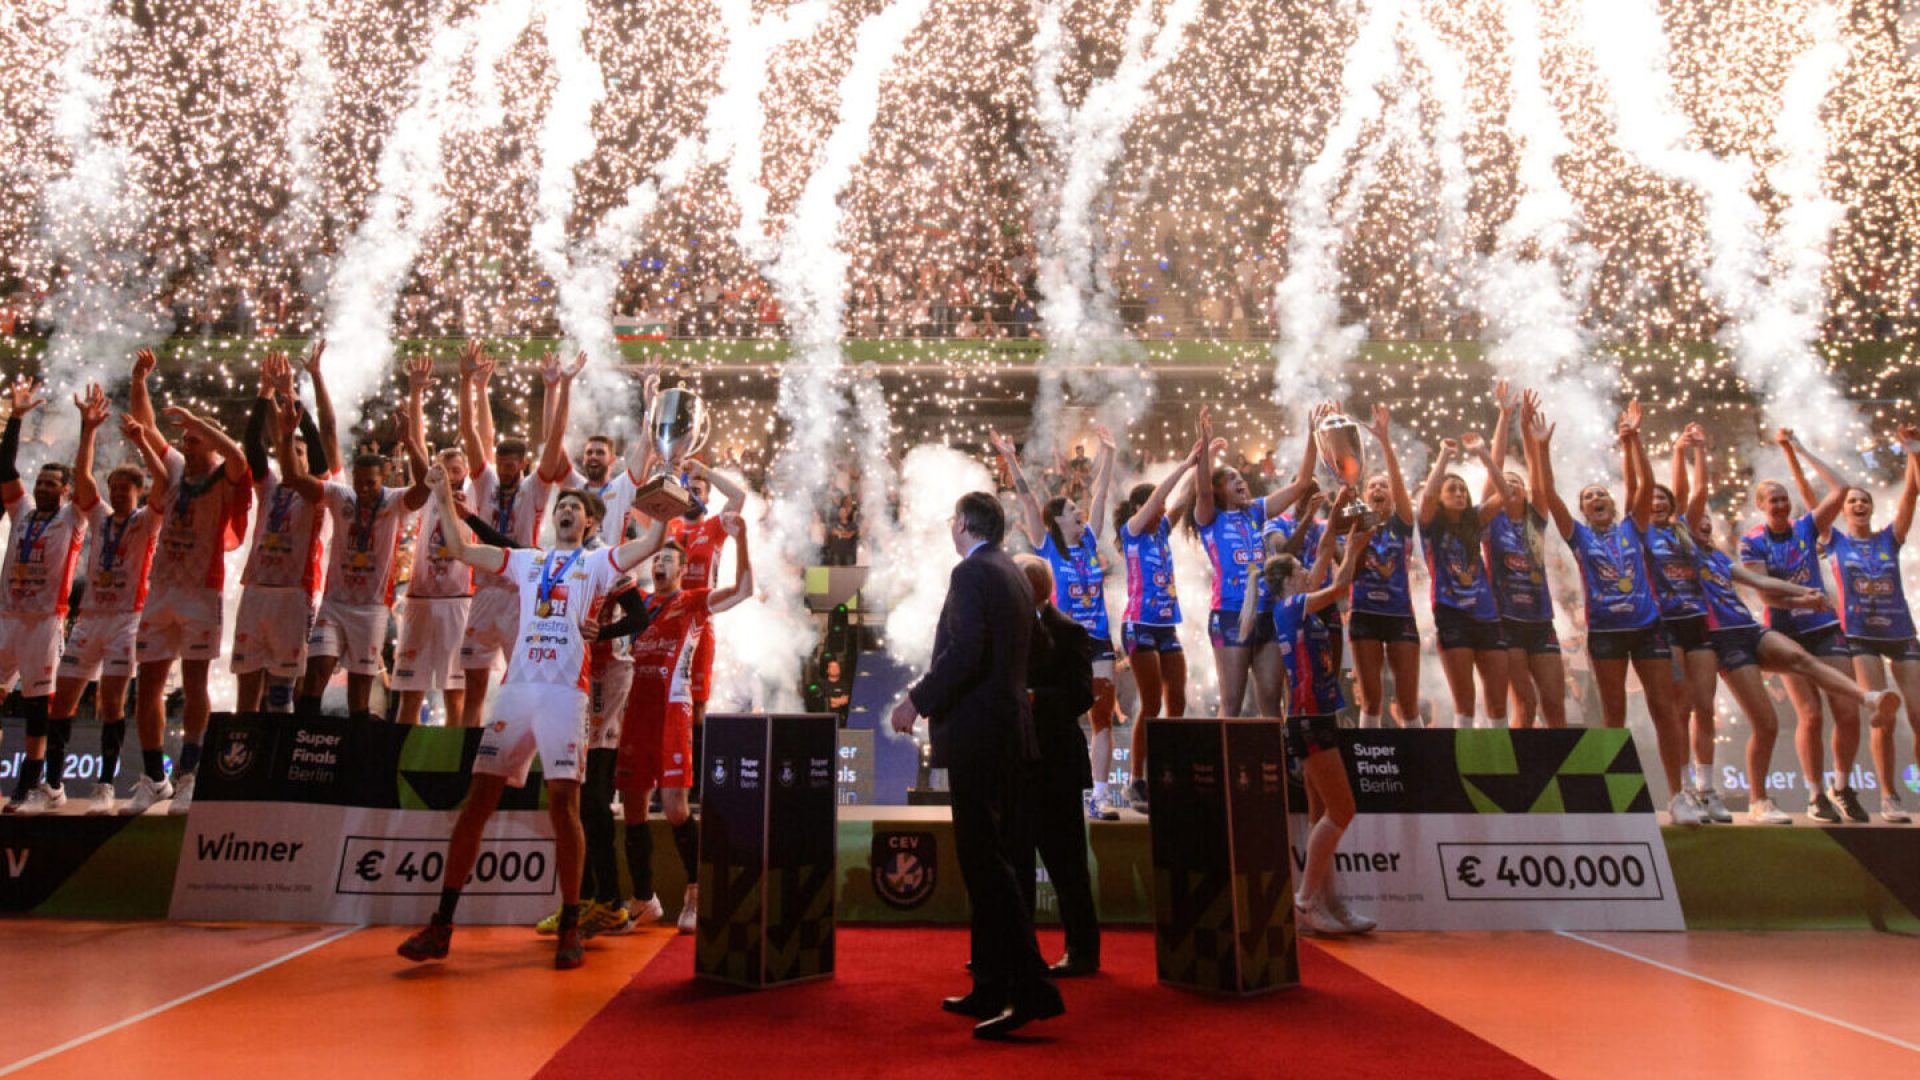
column 974, row 694
column 1060, row 678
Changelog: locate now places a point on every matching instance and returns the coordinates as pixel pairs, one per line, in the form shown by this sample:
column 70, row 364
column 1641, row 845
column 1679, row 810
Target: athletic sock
column 59, row 730
column 153, row 763
column 112, row 734
column 1462, row 720
column 1369, row 720
column 569, row 916
column 30, row 771
column 1100, row 790
column 449, row 899
column 686, row 838
column 640, row 854
column 1496, row 721
column 189, row 759
column 306, row 708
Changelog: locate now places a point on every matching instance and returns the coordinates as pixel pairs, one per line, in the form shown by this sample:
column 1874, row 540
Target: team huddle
column 599, row 673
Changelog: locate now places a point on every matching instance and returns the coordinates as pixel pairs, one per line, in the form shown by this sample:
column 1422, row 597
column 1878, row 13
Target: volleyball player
column 656, row 737
column 1788, row 548
column 207, row 495
column 1380, row 624
column 1465, row 616
column 1623, row 619
column 1149, row 630
column 1683, row 612
column 1517, row 568
column 541, row 705
column 1875, row 615
column 433, row 614
column 703, row 539
column 42, row 550
column 1068, row 538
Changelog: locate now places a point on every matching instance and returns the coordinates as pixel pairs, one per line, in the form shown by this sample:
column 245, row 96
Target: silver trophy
column 677, row 425
column 1343, row 453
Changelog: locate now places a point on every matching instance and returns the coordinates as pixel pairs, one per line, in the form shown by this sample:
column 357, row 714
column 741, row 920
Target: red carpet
column 880, row 1016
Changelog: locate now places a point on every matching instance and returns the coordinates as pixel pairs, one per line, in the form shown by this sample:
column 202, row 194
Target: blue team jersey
column 1517, row 567
column 1080, row 583
column 1613, row 574
column 1233, row 546
column 1380, row 581
column 1284, row 526
column 1793, row 557
column 1676, row 571
column 1456, row 568
column 1873, row 599
column 1306, row 648
column 1151, row 596
column 1725, row 609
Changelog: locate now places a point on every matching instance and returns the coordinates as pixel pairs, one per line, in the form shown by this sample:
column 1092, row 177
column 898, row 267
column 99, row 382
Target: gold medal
column 1625, row 585
column 544, row 609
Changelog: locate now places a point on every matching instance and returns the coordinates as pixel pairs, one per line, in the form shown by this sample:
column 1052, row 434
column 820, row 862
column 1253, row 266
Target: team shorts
column 1223, row 630
column 1459, row 630
column 352, row 633
column 525, row 718
column 607, row 703
column 181, row 624
column 101, row 645
column 430, row 631
column 1829, row 640
column 1687, row 633
column 702, row 688
column 1648, row 642
column 1891, row 649
column 1535, row 638
column 1147, row 637
column 29, row 651
column 493, row 628
column 1737, row 646
column 270, row 631
column 1312, row 734
column 656, row 741
column 1390, row 629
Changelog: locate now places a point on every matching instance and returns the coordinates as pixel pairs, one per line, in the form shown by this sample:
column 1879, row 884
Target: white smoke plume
column 308, row 96
column 912, row 561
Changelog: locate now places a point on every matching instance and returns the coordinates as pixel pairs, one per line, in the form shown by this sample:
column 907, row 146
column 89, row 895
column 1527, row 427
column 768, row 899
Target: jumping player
column 542, row 703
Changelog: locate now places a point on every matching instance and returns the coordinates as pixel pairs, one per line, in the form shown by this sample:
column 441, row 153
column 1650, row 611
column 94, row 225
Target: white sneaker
column 1715, row 809
column 1316, row 920
column 689, row 910
column 646, row 912
column 1684, row 809
column 1356, row 924
column 146, row 792
column 102, row 801
column 182, row 795
column 1891, row 810
column 42, row 799
column 1763, row 812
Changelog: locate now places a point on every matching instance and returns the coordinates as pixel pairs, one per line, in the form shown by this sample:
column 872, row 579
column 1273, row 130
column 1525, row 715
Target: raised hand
column 92, row 406
column 312, row 362
column 1503, row 396
column 1449, row 448
column 144, row 363
column 1382, row 423
column 24, row 395
column 1784, row 438
column 286, row 410
column 419, row 373
column 1910, row 435
column 1630, row 419
column 573, row 370
column 132, row 429
column 436, row 475
column 733, row 524
column 1103, row 436
column 550, row 370
column 183, row 418
column 470, row 355
column 1473, row 444
column 277, row 374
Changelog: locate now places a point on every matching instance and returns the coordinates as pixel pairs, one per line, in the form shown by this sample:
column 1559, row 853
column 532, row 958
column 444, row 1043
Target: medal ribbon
column 363, row 519
column 35, row 524
column 549, row 576
column 503, row 508
column 110, row 541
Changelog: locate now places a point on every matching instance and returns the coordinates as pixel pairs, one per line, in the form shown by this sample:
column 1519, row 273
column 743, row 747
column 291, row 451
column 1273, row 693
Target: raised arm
column 1156, row 504
column 145, row 442
column 1784, row 439
column 1034, row 523
column 254, row 438
column 1203, row 507
column 25, row 397
column 1430, row 491
column 631, row 553
column 733, row 495
column 93, row 413
column 293, row 467
column 475, row 366
column 1699, row 487
column 139, row 402
column 1828, row 508
column 1640, row 506
column 232, row 459
column 1284, row 496
column 721, row 599
column 1537, row 437
column 1102, row 481
column 1494, row 500
column 1502, row 431
column 550, row 375
column 1910, row 491
column 1343, row 578
column 323, row 459
column 1382, row 430
column 479, row 556
column 554, row 465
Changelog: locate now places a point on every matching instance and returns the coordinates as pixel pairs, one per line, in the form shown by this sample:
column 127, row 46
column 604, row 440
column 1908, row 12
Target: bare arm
column 139, row 402
column 93, row 413
column 1698, row 490
column 323, row 410
column 293, row 471
column 1203, row 508
column 1785, row 440
column 630, row 554
column 1035, row 523
column 1156, row 503
column 1494, row 500
column 233, row 459
column 1677, row 471
column 1828, row 508
column 1284, row 496
column 553, row 457
column 735, row 497
column 1910, row 491
column 1639, row 467
column 1382, row 430
column 1102, row 484
column 1502, row 431
column 722, row 599
column 1349, row 566
column 479, row 450
column 478, row 556
column 1537, row 436
column 1430, row 491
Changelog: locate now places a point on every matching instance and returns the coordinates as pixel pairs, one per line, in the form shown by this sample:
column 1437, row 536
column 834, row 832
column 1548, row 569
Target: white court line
column 1741, row 990
column 181, row 1000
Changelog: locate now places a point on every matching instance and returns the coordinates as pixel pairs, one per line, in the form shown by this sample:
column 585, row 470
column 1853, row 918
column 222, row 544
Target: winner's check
column 1550, row 871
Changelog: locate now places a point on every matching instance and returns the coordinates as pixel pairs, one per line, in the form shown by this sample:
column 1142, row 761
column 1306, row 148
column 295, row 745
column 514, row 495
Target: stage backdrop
column 336, row 820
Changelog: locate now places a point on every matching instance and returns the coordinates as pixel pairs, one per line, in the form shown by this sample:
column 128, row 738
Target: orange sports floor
column 257, row 1000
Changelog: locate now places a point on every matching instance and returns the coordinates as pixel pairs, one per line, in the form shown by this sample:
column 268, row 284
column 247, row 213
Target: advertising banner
column 337, row 820
column 1501, row 830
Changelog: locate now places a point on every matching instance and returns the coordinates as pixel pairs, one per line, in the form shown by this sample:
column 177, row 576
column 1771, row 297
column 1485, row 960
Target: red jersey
column 205, row 518
column 704, row 541
column 663, row 654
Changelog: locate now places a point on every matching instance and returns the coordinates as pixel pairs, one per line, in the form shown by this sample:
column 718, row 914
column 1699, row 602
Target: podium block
column 1223, row 883
column 767, row 849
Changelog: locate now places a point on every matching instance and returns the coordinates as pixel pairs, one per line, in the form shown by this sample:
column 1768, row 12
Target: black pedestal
column 1223, row 882
column 767, row 846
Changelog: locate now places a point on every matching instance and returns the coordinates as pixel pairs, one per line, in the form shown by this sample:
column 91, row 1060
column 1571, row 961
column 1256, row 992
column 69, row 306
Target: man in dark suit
column 1060, row 682
column 974, row 697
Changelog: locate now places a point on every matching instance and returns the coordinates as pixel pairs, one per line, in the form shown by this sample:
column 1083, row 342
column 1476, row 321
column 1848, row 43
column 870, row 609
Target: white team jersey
column 287, row 549
column 549, row 649
column 42, row 551
column 118, row 559
column 204, row 519
column 365, row 538
column 516, row 513
column 617, row 493
column 435, row 573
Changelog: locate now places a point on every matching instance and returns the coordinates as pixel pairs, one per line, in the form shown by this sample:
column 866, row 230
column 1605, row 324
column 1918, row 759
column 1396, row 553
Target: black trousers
column 991, row 836
column 1060, row 835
